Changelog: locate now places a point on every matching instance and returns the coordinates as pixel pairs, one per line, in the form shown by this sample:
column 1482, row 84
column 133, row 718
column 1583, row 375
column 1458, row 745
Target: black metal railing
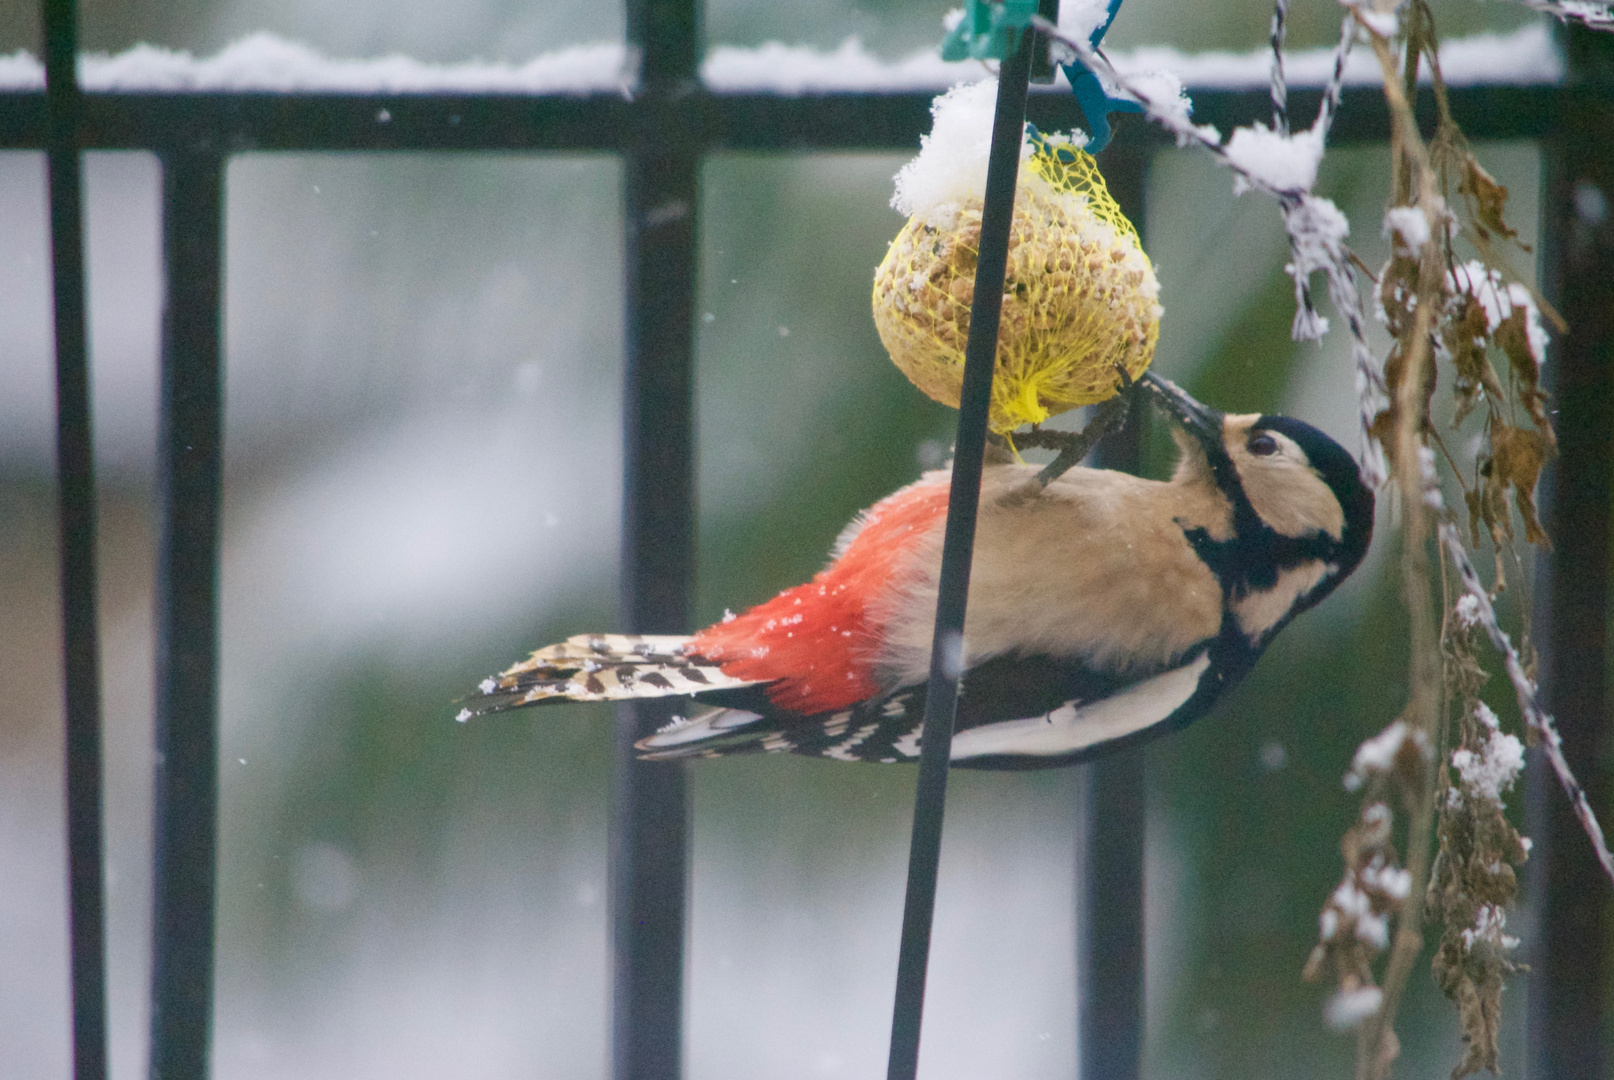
column 75, row 479
column 663, row 133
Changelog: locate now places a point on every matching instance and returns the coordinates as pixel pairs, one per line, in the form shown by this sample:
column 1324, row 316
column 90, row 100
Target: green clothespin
column 988, row 31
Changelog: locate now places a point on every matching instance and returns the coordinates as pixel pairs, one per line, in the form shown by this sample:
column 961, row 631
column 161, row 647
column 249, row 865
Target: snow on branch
column 1280, row 84
column 1595, row 16
column 266, row 62
column 1476, row 605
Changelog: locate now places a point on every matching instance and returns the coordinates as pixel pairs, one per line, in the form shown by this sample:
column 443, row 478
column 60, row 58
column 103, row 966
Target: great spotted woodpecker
column 1103, row 609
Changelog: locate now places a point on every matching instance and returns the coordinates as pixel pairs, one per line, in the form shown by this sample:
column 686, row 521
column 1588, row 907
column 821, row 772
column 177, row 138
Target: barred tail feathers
column 601, row 667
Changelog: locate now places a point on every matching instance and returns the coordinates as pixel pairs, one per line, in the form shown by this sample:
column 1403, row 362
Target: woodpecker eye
column 1262, row 445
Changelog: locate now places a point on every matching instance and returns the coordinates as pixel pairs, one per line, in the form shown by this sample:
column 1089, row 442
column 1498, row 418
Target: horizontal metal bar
column 233, row 122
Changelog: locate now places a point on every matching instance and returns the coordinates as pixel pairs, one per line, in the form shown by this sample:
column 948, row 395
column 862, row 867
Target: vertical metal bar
column 958, row 541
column 1109, row 918
column 189, row 466
column 1109, row 970
column 1571, row 978
column 75, row 479
column 649, row 835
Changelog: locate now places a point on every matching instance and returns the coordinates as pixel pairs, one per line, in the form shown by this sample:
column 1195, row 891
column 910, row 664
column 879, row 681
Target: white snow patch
column 1408, row 228
column 1526, row 56
column 1373, row 929
column 951, row 165
column 1487, row 929
column 1376, row 755
column 1431, row 481
column 1350, row 901
column 1349, row 1008
column 1079, row 18
column 1318, row 228
column 1499, row 299
column 1382, row 23
column 1282, row 162
column 1162, row 91
column 267, row 62
column 20, row 71
column 793, row 70
column 1394, row 881
column 1493, row 770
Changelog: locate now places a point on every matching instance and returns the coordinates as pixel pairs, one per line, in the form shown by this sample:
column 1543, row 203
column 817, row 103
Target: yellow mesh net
column 1079, row 298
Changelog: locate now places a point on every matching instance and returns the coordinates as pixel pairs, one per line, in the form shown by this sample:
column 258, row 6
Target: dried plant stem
column 1378, row 1046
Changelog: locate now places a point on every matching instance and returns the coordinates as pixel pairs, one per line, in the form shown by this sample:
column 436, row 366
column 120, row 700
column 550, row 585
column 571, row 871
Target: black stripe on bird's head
column 1315, row 514
column 1304, row 506
column 1300, row 519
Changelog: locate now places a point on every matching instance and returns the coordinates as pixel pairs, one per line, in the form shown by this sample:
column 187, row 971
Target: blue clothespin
column 986, row 32
column 1095, row 103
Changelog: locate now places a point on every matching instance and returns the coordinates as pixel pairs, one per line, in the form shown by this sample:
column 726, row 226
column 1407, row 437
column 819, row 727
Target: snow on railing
column 265, row 62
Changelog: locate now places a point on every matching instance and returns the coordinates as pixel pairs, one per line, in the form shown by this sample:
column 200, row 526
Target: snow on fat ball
column 1080, row 296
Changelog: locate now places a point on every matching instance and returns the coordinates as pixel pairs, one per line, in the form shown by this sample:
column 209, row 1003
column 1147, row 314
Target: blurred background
column 423, row 384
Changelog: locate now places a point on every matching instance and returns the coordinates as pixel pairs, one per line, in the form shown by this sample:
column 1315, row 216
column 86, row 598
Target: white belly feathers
column 1075, row 726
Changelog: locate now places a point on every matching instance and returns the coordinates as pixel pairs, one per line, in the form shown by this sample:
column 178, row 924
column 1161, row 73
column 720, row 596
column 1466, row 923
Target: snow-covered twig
column 1593, row 16
column 1525, row 690
column 1284, row 167
column 1334, row 89
column 1280, row 89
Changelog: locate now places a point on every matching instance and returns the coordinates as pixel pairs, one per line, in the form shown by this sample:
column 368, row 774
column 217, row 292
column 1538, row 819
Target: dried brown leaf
column 1465, row 334
column 1398, row 293
column 1487, row 201
column 1479, row 1011
column 1517, row 457
column 1513, row 337
column 1475, row 498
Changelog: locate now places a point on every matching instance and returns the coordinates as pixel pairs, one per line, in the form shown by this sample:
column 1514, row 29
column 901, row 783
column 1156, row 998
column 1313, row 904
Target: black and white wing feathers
column 1013, row 713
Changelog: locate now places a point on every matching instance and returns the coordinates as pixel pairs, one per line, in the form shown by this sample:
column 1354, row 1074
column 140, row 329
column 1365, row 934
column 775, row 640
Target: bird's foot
column 1073, row 446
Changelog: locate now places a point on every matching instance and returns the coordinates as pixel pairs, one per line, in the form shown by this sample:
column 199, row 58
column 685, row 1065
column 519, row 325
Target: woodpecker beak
column 1201, row 421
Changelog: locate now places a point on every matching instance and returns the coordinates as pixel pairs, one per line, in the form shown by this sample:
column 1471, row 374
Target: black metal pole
column 1109, row 969
column 649, row 835
column 1571, row 978
column 1110, row 947
column 188, row 472
column 947, row 647
column 75, row 480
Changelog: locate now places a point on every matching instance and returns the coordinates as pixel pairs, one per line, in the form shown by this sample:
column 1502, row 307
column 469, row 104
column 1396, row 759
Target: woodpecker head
column 1301, row 517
